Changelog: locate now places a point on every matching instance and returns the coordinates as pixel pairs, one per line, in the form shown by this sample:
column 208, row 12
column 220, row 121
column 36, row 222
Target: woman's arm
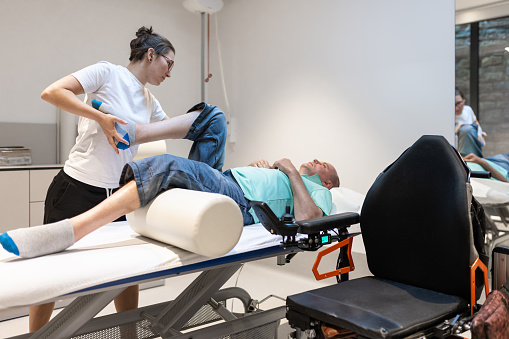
column 63, row 94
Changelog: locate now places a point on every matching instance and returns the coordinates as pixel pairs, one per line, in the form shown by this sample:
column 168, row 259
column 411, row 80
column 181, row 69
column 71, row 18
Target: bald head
column 327, row 173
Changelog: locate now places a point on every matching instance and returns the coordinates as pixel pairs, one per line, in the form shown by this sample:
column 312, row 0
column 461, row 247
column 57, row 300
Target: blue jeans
column 201, row 172
column 468, row 141
column 208, row 133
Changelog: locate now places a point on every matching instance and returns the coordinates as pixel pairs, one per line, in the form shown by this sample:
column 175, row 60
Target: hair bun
column 146, row 39
column 143, row 31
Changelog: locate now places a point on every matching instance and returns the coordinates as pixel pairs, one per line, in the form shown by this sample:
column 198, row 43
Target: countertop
column 30, row 167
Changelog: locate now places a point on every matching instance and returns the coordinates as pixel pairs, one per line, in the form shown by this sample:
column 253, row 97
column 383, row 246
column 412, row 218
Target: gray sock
column 126, row 131
column 39, row 240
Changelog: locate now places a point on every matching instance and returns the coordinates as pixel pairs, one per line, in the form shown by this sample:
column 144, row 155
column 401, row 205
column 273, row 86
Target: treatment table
column 101, row 265
column 104, row 263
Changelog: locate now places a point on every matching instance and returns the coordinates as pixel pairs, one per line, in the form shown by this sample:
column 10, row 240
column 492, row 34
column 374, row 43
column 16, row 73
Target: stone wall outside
column 493, row 111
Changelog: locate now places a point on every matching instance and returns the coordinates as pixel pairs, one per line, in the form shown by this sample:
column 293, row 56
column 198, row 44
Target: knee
column 467, row 130
column 219, row 119
column 218, row 125
column 222, row 122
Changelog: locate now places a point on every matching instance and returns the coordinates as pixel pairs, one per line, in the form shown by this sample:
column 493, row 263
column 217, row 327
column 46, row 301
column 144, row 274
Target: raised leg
column 174, row 128
column 24, row 240
column 468, row 141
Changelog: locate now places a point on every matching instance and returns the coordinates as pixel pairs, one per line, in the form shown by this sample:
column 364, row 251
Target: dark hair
column 460, row 93
column 145, row 39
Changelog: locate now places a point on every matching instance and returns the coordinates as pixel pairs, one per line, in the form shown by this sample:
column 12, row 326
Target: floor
column 264, row 280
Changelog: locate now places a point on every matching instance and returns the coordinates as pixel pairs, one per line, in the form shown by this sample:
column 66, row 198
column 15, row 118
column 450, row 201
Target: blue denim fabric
column 501, row 159
column 162, row 172
column 468, row 142
column 209, row 135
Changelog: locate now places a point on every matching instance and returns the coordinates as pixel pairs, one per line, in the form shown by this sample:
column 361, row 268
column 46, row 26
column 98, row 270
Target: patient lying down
column 306, row 190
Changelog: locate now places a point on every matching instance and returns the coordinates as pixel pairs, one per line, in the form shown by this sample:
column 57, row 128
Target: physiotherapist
column 105, row 141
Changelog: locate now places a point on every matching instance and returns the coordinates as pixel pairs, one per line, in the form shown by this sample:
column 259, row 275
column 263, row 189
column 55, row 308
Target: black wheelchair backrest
column 415, row 220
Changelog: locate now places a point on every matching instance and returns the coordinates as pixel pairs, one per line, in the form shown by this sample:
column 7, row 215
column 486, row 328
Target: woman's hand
column 107, row 123
column 456, row 130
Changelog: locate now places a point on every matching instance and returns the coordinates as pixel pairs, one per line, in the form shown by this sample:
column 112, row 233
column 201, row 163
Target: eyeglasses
column 170, row 62
column 459, row 103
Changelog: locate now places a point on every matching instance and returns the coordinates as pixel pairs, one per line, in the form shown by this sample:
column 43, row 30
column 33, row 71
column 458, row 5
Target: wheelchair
column 423, row 251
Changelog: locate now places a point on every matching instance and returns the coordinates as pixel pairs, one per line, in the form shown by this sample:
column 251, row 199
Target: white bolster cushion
column 208, row 224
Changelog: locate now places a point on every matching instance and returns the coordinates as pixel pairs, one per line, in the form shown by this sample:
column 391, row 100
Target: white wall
column 349, row 82
column 45, row 40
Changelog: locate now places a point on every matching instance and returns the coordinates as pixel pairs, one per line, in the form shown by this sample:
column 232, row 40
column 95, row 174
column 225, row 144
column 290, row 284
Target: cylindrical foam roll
column 209, row 224
column 149, row 149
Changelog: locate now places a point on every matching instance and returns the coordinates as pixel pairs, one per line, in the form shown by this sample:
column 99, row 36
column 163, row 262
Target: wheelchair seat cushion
column 375, row 308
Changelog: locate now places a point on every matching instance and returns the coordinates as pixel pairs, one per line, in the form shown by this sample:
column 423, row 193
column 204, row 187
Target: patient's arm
column 478, row 160
column 304, row 206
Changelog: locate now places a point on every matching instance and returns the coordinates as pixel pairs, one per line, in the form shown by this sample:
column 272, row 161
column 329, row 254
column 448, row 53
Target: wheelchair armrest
column 480, row 174
column 316, row 229
column 270, row 221
column 339, row 221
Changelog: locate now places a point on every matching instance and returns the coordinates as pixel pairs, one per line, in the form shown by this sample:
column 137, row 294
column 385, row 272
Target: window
column 482, row 73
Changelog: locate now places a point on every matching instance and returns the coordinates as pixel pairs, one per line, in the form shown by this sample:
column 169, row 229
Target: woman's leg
column 39, row 315
column 65, row 199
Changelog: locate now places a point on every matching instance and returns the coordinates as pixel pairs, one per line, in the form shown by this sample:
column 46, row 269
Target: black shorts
column 68, row 197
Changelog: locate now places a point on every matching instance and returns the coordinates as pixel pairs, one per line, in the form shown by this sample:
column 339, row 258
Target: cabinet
column 22, row 194
column 14, row 200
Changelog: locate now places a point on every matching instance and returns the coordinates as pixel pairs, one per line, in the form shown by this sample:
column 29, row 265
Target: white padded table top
column 111, row 253
column 490, row 192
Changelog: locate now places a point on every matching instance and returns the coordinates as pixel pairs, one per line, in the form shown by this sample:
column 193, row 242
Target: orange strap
column 330, row 249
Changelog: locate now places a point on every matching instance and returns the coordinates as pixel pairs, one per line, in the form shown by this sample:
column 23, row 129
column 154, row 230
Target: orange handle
column 343, row 270
column 477, row 264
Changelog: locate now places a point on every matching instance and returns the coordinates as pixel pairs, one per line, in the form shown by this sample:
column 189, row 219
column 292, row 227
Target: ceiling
column 467, row 4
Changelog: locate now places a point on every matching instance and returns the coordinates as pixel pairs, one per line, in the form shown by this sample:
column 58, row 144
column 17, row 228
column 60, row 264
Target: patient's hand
column 285, row 166
column 472, row 158
column 261, row 163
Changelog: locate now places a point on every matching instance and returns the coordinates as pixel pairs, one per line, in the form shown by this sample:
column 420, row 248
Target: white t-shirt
column 468, row 117
column 92, row 160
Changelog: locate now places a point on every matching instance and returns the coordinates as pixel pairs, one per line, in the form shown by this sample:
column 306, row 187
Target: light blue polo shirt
column 273, row 187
